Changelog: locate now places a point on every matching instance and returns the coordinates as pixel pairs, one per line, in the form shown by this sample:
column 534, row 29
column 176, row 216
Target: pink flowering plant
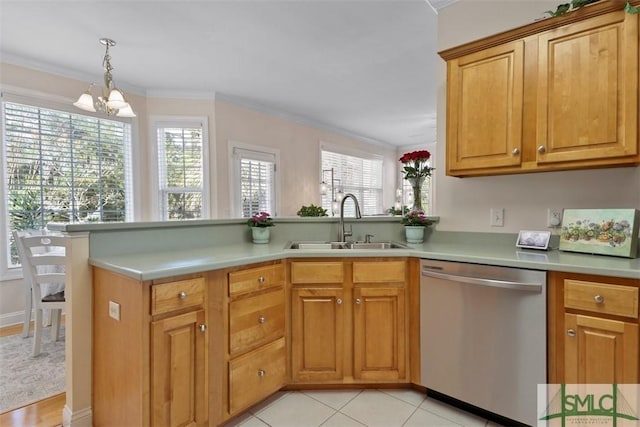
column 416, row 218
column 261, row 219
column 416, row 164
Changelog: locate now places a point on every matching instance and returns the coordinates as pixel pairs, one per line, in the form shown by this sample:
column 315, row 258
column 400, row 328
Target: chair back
column 43, row 262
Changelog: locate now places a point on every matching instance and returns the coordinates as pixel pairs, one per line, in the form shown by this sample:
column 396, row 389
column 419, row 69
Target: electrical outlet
column 497, row 217
column 114, row 310
column 554, row 217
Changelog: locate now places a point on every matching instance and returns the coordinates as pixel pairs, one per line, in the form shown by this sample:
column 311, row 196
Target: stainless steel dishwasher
column 483, row 336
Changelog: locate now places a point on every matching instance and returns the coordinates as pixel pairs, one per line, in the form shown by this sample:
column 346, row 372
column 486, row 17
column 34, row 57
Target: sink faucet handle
column 367, row 238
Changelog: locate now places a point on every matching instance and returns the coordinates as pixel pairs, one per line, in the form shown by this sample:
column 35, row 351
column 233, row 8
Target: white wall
column 464, row 203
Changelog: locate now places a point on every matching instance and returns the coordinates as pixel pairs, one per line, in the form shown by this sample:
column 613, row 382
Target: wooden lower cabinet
column 379, row 329
column 150, row 361
column 248, row 350
column 178, row 374
column 349, row 324
column 317, row 334
column 600, row 351
column 593, row 329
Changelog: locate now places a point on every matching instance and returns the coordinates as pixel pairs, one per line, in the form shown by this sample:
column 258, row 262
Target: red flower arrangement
column 415, row 164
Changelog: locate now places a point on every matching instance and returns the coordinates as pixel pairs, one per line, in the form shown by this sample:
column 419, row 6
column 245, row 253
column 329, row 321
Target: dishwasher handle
column 519, row 286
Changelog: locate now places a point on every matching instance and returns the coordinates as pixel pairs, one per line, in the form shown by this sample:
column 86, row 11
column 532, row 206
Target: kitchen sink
column 346, row 245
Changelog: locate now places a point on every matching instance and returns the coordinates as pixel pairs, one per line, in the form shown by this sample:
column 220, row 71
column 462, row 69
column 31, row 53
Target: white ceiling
column 365, row 67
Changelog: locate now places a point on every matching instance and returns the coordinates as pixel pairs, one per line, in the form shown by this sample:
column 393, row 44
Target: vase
column 260, row 234
column 414, row 233
column 416, row 185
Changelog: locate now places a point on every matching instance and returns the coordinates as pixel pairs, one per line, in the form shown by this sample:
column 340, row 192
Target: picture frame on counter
column 529, row 239
column 611, row 232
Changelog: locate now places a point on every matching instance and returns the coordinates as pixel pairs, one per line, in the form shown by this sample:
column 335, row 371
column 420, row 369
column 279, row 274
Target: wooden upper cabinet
column 558, row 94
column 484, row 111
column 588, row 90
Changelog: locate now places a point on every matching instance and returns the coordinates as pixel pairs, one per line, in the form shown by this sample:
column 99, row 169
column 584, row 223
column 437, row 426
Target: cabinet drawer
column 601, row 298
column 255, row 279
column 317, row 272
column 255, row 320
column 255, row 375
column 172, row 296
column 385, row 271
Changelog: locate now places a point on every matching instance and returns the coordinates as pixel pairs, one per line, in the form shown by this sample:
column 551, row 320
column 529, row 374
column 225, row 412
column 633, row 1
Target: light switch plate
column 497, row 217
column 114, row 310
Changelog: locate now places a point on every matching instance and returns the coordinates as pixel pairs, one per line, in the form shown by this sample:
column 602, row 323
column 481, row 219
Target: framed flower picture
column 601, row 231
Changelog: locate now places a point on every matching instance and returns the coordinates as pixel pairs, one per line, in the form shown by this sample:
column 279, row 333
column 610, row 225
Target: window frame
column 158, row 122
column 36, row 99
column 352, row 152
column 255, row 152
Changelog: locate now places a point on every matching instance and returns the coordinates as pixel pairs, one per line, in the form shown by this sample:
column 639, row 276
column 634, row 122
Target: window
column 361, row 176
column 63, row 167
column 254, row 182
column 181, row 154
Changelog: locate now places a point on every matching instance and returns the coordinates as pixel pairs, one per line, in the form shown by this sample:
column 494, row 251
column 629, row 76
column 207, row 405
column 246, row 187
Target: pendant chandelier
column 112, row 101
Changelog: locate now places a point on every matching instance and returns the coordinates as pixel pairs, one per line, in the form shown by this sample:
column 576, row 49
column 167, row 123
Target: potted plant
column 312, row 210
column 415, row 222
column 259, row 224
column 416, row 169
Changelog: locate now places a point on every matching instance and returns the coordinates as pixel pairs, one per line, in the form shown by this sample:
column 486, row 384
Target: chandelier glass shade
column 112, row 101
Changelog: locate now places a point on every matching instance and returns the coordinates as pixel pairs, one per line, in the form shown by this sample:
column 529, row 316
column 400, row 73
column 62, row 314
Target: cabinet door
column 379, row 347
column 588, row 90
column 178, row 371
column 317, row 335
column 484, row 108
column 600, row 351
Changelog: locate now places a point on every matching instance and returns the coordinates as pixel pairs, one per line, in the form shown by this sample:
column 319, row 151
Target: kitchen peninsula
column 201, row 257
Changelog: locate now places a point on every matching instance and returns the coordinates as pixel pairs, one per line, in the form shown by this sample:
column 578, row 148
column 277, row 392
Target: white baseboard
column 81, row 418
column 10, row 319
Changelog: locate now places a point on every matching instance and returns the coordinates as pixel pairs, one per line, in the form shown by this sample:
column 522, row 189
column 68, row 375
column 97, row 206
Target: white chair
column 43, row 259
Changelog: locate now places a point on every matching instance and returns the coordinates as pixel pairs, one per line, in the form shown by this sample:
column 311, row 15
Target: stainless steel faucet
column 343, row 234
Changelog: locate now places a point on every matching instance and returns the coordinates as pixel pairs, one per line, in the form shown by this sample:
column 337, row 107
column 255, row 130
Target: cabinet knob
column 599, row 299
column 262, row 319
column 515, row 151
column 261, row 279
column 541, row 149
column 262, row 373
column 339, row 301
column 203, row 328
column 182, row 295
column 358, row 301
column 571, row 332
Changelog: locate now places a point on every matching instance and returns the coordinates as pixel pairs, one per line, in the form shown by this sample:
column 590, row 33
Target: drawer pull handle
column 358, row 301
column 261, row 279
column 571, row 332
column 262, row 373
column 262, row 319
column 339, row 301
column 182, row 295
column 542, row 149
column 203, row 328
column 599, row 299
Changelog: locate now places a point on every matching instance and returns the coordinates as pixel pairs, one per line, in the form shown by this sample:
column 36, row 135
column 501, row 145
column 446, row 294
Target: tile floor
column 357, row 408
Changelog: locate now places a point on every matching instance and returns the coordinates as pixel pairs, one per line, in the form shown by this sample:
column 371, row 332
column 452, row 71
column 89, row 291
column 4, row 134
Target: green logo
column 591, row 404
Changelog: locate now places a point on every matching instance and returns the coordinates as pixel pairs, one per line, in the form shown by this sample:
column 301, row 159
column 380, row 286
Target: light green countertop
column 148, row 266
column 154, row 250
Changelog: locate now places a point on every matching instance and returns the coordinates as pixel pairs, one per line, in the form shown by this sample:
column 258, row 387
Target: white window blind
column 256, row 183
column 180, row 170
column 358, row 175
column 63, row 167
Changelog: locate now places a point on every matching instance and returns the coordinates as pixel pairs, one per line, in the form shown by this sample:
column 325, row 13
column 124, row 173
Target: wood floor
column 45, row 413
